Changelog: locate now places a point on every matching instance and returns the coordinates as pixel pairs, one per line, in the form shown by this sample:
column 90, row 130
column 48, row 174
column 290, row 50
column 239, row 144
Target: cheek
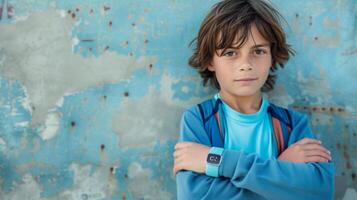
column 265, row 66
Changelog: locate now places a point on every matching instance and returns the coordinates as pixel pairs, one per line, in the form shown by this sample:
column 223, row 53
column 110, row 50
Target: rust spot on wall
column 347, row 158
column 10, row 11
column 87, row 40
column 73, row 124
column 106, row 8
column 324, row 109
column 4, row 4
column 111, row 170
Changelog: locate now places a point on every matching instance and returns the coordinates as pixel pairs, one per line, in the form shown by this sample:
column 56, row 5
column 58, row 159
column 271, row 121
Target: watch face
column 213, row 158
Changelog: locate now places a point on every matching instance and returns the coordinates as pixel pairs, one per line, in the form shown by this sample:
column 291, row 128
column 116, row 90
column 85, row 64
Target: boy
column 237, row 145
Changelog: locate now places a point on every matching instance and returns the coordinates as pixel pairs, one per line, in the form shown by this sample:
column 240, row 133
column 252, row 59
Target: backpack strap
column 281, row 122
column 282, row 126
column 208, row 109
column 278, row 134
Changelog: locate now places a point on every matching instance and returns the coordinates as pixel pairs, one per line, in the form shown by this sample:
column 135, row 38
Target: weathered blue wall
column 91, row 92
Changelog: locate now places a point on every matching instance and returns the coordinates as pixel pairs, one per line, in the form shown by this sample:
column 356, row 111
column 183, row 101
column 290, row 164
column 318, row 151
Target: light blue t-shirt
column 251, row 133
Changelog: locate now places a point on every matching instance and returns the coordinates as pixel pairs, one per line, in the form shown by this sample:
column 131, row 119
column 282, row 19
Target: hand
column 306, row 150
column 190, row 156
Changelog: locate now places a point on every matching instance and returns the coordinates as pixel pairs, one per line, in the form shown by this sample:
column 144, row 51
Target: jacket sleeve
column 246, row 174
column 191, row 185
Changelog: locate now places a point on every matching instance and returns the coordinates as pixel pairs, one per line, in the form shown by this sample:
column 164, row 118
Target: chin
column 246, row 93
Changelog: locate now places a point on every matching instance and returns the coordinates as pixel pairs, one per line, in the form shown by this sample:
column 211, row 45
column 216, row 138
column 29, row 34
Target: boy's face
column 243, row 72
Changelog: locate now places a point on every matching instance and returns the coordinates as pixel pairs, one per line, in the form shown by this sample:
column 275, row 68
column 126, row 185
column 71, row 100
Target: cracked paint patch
column 29, row 188
column 143, row 122
column 151, row 190
column 90, row 183
column 41, row 53
column 51, row 126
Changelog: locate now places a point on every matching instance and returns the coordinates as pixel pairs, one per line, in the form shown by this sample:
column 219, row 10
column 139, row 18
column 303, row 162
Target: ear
column 211, row 68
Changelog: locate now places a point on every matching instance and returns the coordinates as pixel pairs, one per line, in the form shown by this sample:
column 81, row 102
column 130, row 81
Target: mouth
column 246, row 79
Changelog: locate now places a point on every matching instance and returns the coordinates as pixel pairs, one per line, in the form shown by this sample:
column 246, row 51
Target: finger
column 177, row 167
column 315, row 147
column 176, row 154
column 315, row 159
column 180, row 153
column 173, row 171
column 318, row 153
column 178, row 160
column 309, row 141
column 178, row 145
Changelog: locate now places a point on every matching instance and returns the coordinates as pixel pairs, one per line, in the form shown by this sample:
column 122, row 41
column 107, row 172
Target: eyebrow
column 260, row 45
column 254, row 46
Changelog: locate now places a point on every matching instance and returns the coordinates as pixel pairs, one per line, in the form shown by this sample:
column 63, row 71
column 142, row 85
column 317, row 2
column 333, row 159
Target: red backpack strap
column 221, row 134
column 278, row 134
column 218, row 121
column 282, row 124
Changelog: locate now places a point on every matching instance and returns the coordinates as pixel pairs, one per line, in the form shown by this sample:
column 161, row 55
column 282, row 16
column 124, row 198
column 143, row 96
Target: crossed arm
column 192, row 156
column 302, row 171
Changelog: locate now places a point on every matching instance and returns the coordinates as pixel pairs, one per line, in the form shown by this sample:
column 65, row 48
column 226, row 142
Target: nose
column 245, row 67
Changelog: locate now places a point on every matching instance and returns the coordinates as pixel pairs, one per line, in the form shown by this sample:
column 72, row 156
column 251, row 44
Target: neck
column 243, row 104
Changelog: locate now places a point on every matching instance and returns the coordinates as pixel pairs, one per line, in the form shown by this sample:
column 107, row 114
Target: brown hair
column 231, row 18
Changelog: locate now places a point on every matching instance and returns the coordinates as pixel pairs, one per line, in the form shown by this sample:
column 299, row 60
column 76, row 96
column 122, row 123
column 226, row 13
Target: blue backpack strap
column 208, row 110
column 282, row 124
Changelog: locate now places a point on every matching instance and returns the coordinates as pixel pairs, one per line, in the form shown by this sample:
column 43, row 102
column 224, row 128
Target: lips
column 246, row 79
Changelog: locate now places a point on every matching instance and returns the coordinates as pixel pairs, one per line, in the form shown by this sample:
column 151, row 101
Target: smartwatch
column 214, row 159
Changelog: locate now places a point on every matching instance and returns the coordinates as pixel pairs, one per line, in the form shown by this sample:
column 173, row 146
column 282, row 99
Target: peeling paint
column 350, row 194
column 33, row 70
column 149, row 114
column 137, row 175
column 51, row 126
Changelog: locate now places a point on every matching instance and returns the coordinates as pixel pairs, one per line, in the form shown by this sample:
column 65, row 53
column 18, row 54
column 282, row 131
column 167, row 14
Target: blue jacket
column 246, row 176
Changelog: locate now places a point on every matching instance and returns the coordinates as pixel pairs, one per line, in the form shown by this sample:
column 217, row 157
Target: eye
column 229, row 53
column 260, row 51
